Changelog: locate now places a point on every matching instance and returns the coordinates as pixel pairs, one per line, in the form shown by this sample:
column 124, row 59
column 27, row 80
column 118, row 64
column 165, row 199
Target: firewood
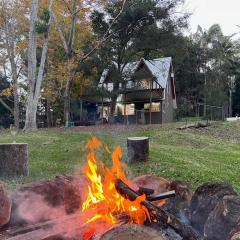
column 44, row 230
column 147, row 191
column 159, row 214
column 161, row 196
column 47, row 224
column 39, row 234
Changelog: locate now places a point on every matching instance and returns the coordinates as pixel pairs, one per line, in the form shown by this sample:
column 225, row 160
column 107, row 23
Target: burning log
column 161, row 196
column 146, row 191
column 158, row 214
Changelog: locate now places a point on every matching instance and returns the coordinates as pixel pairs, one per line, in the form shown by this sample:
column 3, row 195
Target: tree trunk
column 67, row 95
column 112, row 108
column 31, row 115
column 35, row 82
column 30, row 121
column 230, row 102
column 10, row 46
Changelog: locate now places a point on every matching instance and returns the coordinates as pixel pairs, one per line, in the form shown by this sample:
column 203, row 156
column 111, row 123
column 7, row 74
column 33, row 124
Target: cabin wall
column 139, row 119
column 167, row 104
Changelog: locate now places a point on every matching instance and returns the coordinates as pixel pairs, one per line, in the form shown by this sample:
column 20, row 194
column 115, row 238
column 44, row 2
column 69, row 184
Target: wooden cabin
column 146, row 95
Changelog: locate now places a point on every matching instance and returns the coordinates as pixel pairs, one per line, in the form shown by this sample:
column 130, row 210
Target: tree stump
column 138, row 148
column 223, row 219
column 13, row 160
column 132, row 232
column 205, row 199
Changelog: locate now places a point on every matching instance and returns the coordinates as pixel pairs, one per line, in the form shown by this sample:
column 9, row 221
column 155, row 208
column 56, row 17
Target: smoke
column 32, row 208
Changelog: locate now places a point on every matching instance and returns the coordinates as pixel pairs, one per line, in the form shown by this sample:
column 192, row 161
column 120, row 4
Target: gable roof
column 159, row 68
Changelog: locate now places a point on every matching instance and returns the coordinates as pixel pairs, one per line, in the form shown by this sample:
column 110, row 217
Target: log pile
column 214, row 210
column 158, row 214
column 194, row 125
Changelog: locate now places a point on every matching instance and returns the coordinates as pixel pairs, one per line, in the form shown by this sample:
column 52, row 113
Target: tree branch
column 105, row 36
column 60, row 31
column 6, row 106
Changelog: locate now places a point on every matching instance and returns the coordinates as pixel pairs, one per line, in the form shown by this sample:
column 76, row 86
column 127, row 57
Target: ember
column 103, row 202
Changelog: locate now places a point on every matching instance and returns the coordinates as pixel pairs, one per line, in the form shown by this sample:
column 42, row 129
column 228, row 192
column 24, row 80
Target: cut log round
column 132, row 232
column 138, row 148
column 205, row 199
column 47, row 200
column 223, row 219
column 13, row 160
column 235, row 233
column 5, row 206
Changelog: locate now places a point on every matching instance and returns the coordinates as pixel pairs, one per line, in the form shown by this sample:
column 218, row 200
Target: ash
column 170, row 234
column 167, row 233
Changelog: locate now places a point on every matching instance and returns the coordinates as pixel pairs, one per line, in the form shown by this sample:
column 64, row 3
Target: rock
column 5, row 205
column 205, row 199
column 223, row 219
column 47, row 200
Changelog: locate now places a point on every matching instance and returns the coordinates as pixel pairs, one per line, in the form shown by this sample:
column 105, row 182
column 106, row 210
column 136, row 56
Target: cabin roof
column 159, row 68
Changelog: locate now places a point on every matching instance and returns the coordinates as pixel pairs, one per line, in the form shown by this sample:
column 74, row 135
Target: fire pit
column 104, row 204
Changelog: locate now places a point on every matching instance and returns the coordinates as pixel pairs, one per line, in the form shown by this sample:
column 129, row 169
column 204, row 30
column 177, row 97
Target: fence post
column 211, row 114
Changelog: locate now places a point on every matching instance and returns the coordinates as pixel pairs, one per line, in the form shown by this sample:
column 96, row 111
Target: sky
column 208, row 12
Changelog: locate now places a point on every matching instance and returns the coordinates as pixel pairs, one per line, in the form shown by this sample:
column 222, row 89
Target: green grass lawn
column 196, row 156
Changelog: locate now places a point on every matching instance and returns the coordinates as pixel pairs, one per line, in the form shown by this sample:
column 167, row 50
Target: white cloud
column 209, row 12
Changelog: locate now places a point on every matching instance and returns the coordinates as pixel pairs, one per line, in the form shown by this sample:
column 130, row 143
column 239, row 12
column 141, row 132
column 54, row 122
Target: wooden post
column 138, row 148
column 102, row 109
column 211, row 114
column 125, row 118
column 150, row 113
column 81, row 109
column 14, row 160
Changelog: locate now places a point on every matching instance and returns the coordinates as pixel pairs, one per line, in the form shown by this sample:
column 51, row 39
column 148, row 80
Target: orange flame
column 103, row 202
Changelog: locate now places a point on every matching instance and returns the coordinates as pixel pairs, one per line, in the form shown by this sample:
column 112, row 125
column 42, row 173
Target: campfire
column 111, row 199
column 105, row 204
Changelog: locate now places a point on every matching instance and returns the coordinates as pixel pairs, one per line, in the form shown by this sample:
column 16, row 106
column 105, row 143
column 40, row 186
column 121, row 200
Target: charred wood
column 158, row 214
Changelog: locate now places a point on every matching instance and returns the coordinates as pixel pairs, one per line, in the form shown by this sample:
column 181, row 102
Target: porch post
column 81, row 109
column 125, row 117
column 102, row 109
column 150, row 113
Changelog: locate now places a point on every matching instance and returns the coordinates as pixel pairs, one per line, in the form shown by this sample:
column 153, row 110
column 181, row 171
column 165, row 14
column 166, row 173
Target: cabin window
column 110, row 86
column 156, row 107
column 130, row 109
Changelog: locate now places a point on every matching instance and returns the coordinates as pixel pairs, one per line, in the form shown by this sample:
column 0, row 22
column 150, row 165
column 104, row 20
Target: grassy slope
column 196, row 156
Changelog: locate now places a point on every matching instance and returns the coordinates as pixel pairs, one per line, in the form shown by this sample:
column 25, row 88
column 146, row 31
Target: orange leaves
column 8, row 92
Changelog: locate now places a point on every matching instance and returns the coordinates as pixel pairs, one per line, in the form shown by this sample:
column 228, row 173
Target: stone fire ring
column 13, row 159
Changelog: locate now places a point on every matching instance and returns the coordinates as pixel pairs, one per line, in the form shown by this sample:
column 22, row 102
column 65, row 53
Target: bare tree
column 68, row 44
column 35, row 76
column 10, row 34
column 68, row 47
